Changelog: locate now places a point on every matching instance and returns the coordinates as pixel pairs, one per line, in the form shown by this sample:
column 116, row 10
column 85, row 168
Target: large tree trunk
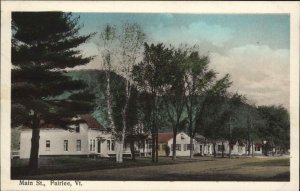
column 118, row 143
column 153, row 147
column 229, row 137
column 249, row 147
column 174, row 144
column 132, row 150
column 156, row 146
column 204, row 149
column 229, row 150
column 252, row 149
column 191, row 148
column 109, row 103
column 223, row 148
column 119, row 151
column 124, row 117
column 215, row 154
column 34, row 152
column 119, row 159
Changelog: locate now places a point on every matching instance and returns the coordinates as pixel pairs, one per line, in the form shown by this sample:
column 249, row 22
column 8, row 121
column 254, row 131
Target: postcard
column 149, row 95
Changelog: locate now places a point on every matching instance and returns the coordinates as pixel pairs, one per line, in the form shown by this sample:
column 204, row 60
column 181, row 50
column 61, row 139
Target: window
column 47, row 145
column 178, row 147
column 94, row 142
column 108, row 145
column 78, row 145
column 150, row 144
column 147, row 144
column 91, row 145
column 201, row 148
column 257, row 148
column 65, row 145
column 112, row 145
column 182, row 136
column 221, row 148
column 189, row 146
column 77, row 129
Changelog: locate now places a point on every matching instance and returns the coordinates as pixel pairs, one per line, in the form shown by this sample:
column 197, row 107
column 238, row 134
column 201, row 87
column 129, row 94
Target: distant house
column 182, row 144
column 238, row 148
column 203, row 147
column 258, row 148
column 86, row 137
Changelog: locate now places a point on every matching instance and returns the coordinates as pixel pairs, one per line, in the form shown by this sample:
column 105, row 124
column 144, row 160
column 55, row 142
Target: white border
column 291, row 8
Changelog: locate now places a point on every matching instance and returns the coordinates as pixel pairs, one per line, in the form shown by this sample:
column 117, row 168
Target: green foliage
column 43, row 43
column 96, row 82
column 277, row 125
column 150, row 76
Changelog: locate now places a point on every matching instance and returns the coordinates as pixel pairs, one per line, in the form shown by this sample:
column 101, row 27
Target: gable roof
column 164, row 137
column 91, row 122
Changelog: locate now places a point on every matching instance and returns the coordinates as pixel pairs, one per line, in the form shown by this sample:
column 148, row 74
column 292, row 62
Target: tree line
column 140, row 84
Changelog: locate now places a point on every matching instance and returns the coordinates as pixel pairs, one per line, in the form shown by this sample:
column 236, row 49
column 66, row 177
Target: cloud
column 193, row 33
column 257, row 71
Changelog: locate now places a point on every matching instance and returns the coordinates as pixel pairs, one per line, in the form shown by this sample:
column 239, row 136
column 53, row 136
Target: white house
column 87, row 137
column 203, row 146
column 182, row 144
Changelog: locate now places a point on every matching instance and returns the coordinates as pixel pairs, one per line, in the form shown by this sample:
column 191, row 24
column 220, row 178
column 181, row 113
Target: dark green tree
column 174, row 95
column 149, row 76
column 276, row 130
column 44, row 44
column 233, row 105
column 200, row 81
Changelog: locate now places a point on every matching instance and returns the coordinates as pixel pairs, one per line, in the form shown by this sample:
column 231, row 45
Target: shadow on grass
column 283, row 177
column 220, row 177
column 54, row 165
column 273, row 162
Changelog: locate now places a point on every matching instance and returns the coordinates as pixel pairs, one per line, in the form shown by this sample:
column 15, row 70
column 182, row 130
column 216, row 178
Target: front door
column 99, row 146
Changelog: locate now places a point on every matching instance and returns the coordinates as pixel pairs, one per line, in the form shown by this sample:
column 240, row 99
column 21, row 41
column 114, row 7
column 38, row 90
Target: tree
column 198, row 79
column 107, row 38
column 276, row 130
column 234, row 102
column 122, row 49
column 215, row 117
column 200, row 84
column 149, row 76
column 174, row 95
column 244, row 121
column 43, row 46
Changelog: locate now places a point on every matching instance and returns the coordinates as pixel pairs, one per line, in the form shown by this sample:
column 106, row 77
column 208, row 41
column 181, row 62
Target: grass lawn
column 197, row 169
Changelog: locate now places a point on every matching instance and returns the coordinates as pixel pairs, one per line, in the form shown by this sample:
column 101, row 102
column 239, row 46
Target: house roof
column 164, row 137
column 200, row 138
column 91, row 122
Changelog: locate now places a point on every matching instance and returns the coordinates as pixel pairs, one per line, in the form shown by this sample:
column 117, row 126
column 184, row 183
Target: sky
column 253, row 48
